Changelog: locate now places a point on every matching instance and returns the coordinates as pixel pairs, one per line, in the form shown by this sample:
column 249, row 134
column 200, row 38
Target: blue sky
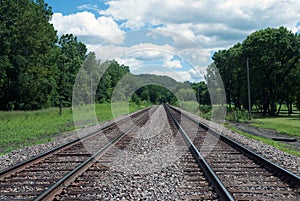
column 168, row 37
column 72, row 6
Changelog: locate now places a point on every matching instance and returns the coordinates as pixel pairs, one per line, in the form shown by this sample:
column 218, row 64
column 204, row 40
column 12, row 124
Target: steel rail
column 283, row 174
column 40, row 156
column 52, row 191
column 221, row 190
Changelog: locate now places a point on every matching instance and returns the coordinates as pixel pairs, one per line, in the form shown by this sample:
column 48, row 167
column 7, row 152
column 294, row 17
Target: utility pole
column 198, row 95
column 249, row 94
column 91, row 88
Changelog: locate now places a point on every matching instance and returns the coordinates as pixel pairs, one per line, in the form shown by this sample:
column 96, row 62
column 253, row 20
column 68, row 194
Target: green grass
column 190, row 106
column 203, row 111
column 287, row 125
column 284, row 147
column 24, row 128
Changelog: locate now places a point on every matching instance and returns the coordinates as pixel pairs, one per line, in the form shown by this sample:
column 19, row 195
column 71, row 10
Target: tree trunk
column 290, row 108
column 229, row 102
column 265, row 108
column 280, row 104
column 272, row 108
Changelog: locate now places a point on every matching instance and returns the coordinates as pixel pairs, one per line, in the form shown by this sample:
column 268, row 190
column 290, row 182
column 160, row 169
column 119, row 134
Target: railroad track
column 245, row 174
column 97, row 178
column 181, row 179
column 32, row 178
column 146, row 163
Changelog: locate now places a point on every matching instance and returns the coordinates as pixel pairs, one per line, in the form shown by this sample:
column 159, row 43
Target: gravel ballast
column 279, row 157
column 26, row 153
column 285, row 160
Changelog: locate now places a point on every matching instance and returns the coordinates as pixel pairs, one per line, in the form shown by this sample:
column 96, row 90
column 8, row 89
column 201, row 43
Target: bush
column 237, row 115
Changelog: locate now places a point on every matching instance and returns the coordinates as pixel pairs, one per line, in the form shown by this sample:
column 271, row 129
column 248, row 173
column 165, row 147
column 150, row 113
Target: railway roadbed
column 159, row 153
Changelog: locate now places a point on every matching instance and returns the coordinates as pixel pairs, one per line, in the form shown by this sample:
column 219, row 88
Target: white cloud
column 194, row 74
column 149, row 51
column 85, row 25
column 179, row 76
column 195, row 28
column 142, row 52
column 133, row 63
column 211, row 23
column 171, row 63
column 230, row 12
column 88, row 7
column 197, row 73
column 107, row 52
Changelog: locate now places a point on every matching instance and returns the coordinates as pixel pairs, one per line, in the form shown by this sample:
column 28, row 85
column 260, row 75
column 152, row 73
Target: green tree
column 87, row 79
column 71, row 58
column 27, row 41
column 273, row 53
column 113, row 72
column 201, row 92
column 228, row 62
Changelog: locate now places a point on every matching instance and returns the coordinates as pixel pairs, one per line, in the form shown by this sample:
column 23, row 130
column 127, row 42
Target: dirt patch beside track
column 247, row 128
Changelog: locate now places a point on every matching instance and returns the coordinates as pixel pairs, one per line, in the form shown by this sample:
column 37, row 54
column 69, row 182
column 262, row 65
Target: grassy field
column 24, row 128
column 287, row 125
column 276, row 144
column 282, row 124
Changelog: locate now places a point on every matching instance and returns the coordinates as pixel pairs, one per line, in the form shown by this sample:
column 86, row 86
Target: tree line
column 273, row 56
column 38, row 69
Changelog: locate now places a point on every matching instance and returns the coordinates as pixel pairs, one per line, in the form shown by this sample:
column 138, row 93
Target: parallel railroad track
column 75, row 174
column 245, row 174
column 92, row 168
column 29, row 179
column 102, row 181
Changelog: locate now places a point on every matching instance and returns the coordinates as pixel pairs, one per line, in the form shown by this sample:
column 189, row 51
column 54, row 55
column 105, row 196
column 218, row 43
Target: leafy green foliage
column 40, row 70
column 27, row 39
column 112, row 72
column 72, row 54
column 273, row 55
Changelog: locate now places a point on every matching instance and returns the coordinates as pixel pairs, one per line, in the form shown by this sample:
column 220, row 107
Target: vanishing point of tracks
column 158, row 155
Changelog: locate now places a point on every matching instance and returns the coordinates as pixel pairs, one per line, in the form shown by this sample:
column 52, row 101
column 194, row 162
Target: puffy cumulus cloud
column 194, row 74
column 107, row 52
column 234, row 13
column 195, row 56
column 143, row 52
column 149, row 51
column 133, row 63
column 208, row 35
column 196, row 28
column 211, row 23
column 172, row 63
column 88, row 28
